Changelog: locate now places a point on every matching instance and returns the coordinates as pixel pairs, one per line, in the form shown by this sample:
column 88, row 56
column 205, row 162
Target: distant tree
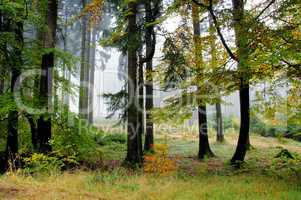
column 84, row 67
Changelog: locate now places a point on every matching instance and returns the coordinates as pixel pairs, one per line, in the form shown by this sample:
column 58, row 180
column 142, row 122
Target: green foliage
column 286, row 164
column 119, row 138
column 41, row 163
column 73, row 136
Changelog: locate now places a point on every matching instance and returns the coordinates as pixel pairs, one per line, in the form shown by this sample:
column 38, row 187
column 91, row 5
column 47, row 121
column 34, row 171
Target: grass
column 193, row 180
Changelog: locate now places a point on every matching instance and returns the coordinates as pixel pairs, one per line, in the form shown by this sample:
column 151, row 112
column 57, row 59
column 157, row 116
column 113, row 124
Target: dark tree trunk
column 204, row 148
column 44, row 121
column 1, row 84
column 48, row 41
column 242, row 47
column 149, row 134
column 12, row 138
column 141, row 108
column 243, row 140
column 219, row 123
column 134, row 144
column 33, row 130
column 91, row 78
column 1, row 70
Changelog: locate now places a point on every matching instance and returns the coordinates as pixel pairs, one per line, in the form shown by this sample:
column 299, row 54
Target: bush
column 41, row 163
column 75, row 138
column 109, row 139
column 159, row 162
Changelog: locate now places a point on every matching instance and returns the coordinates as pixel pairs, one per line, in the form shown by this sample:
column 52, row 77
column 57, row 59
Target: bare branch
column 259, row 15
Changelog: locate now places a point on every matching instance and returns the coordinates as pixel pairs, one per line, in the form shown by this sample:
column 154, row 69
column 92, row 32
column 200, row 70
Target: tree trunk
column 1, row 70
column 242, row 49
column 149, row 135
column 83, row 92
column 134, row 144
column 91, row 78
column 141, row 108
column 214, row 65
column 48, row 39
column 219, row 123
column 12, row 137
column 1, row 84
column 33, row 130
column 204, row 148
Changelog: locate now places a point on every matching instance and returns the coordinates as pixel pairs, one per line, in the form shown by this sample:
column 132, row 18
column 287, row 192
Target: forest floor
column 261, row 177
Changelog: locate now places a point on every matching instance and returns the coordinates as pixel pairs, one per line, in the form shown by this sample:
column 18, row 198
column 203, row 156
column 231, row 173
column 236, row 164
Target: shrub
column 159, row 162
column 75, row 138
column 286, row 164
column 41, row 163
column 111, row 139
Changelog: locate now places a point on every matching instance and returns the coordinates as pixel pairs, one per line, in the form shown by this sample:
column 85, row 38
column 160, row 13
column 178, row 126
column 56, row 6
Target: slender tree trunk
column 91, row 78
column 1, row 84
column 33, row 130
column 12, row 138
column 65, row 95
column 1, row 70
column 204, row 147
column 141, row 108
column 242, row 47
column 149, row 135
column 44, row 122
column 134, row 144
column 214, row 65
column 83, row 92
column 219, row 123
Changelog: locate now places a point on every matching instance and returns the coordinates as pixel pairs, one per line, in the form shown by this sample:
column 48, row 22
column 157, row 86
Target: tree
column 242, row 57
column 48, row 43
column 204, row 147
column 13, row 115
column 152, row 12
column 92, row 71
column 214, row 63
column 134, row 143
column 149, row 132
column 84, row 67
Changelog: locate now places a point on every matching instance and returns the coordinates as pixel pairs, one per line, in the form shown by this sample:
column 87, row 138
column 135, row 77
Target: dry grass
column 194, row 180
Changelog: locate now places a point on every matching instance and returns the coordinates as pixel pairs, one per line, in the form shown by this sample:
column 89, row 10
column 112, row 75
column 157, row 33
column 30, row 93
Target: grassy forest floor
column 261, row 177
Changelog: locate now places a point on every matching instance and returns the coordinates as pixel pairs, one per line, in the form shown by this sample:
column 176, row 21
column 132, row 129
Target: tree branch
column 218, row 29
column 259, row 15
column 219, row 32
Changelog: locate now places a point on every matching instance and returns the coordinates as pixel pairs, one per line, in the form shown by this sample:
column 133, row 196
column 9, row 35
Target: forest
column 150, row 99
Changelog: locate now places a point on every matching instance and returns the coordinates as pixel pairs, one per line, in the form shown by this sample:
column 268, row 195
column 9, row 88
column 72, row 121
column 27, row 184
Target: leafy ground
column 262, row 177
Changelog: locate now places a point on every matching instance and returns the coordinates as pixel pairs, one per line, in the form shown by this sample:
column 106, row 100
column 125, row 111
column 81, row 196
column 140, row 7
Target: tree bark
column 91, row 78
column 1, row 70
column 204, row 147
column 219, row 123
column 12, row 137
column 48, row 41
column 33, row 130
column 141, row 108
column 83, row 92
column 242, row 48
column 134, row 144
column 149, row 134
